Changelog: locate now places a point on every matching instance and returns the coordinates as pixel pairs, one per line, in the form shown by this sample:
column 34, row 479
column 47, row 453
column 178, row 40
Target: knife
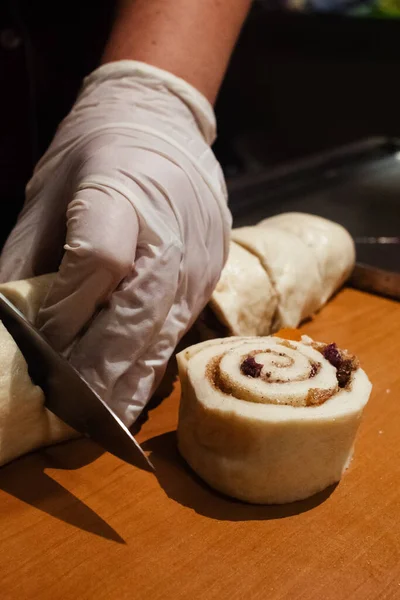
column 67, row 395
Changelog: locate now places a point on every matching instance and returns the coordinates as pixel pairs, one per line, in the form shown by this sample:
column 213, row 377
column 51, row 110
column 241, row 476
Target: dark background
column 300, row 84
column 297, row 85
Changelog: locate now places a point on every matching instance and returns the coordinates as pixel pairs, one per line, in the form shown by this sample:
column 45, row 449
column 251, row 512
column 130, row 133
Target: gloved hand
column 132, row 188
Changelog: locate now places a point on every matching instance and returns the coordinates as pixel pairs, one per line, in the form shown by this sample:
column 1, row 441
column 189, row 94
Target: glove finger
column 100, row 248
column 109, row 355
column 35, row 245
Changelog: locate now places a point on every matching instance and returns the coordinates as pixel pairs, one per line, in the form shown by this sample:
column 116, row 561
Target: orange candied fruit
column 289, row 333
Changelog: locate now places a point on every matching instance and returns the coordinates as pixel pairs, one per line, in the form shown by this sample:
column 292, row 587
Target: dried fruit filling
column 251, row 367
column 344, row 363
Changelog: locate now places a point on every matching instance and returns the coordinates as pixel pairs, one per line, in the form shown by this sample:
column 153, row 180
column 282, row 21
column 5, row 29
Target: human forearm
column 192, row 39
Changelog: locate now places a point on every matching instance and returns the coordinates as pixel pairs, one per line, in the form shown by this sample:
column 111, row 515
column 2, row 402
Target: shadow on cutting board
column 26, row 480
column 181, row 484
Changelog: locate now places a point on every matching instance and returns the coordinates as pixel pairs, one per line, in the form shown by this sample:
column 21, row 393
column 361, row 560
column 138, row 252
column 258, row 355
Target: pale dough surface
column 291, row 267
column 28, row 295
column 332, row 246
column 286, row 269
column 25, row 424
column 244, row 299
column 262, row 452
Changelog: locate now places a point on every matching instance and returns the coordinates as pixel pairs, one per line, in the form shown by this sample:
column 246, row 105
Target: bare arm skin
column 192, row 39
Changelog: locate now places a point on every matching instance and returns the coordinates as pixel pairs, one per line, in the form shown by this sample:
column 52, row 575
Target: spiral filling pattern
column 269, row 420
column 275, row 372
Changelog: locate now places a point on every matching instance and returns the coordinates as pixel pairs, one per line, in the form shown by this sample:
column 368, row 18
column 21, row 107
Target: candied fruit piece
column 289, row 333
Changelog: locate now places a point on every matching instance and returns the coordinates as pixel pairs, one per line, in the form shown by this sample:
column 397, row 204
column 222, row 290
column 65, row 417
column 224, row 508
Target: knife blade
column 67, row 394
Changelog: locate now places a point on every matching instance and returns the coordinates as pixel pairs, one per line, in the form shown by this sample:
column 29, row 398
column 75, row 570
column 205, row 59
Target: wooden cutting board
column 77, row 523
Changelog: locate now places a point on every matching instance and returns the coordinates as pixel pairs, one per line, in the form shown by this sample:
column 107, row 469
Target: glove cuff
column 200, row 107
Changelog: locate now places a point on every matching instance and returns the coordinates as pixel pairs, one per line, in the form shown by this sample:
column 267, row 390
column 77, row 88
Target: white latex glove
column 132, row 188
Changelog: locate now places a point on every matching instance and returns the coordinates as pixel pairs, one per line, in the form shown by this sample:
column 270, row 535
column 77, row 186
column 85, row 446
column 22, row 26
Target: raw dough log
column 275, row 432
column 331, row 245
column 291, row 267
column 25, row 424
column 244, row 299
column 280, row 272
column 28, row 295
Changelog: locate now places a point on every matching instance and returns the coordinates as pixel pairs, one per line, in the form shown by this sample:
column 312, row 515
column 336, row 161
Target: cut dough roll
column 266, row 420
column 332, row 246
column 25, row 423
column 244, row 300
column 291, row 267
column 278, row 273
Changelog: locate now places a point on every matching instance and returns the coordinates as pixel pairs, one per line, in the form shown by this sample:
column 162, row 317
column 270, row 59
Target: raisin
column 332, row 354
column 344, row 371
column 344, row 364
column 250, row 367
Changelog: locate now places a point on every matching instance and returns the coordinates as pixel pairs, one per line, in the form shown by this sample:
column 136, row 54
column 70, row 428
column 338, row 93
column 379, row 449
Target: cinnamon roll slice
column 268, row 420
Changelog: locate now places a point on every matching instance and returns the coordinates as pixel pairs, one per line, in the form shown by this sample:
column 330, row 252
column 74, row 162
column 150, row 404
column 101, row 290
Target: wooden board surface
column 77, row 523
